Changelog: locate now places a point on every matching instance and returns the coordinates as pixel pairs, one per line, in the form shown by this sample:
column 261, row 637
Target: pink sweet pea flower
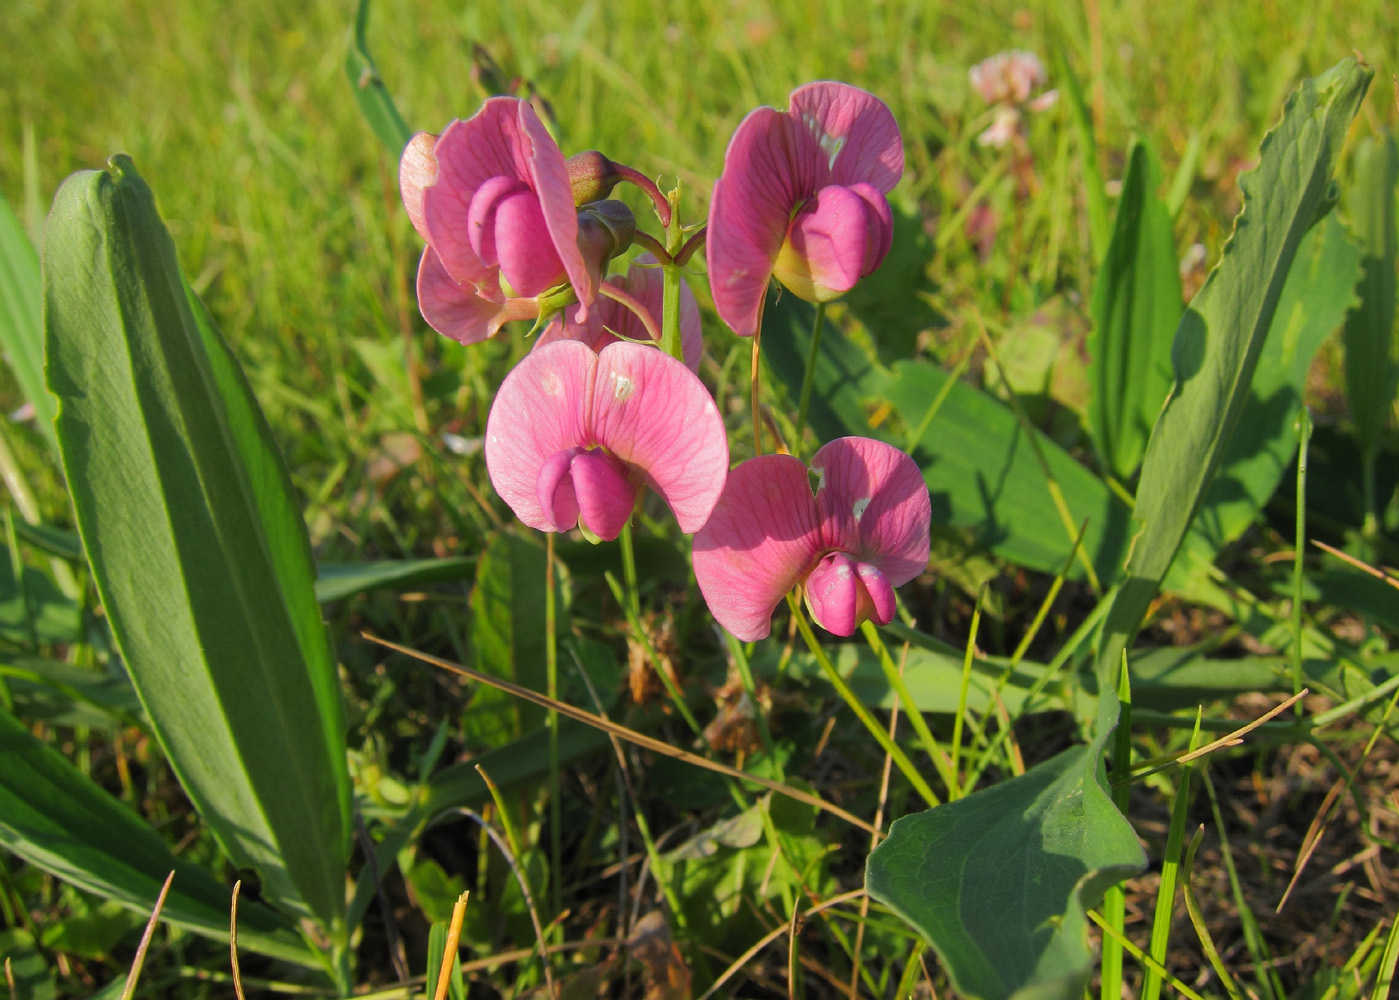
column 573, row 434
column 864, row 533
column 802, row 197
column 492, row 198
column 610, row 321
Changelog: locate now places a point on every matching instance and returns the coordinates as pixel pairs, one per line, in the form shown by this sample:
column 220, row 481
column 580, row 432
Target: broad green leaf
column 984, row 476
column 196, row 543
column 1312, row 305
column 999, row 882
column 21, row 319
column 1135, row 309
column 1222, row 334
column 337, row 581
column 372, row 96
column 1372, row 342
column 508, row 635
column 57, row 819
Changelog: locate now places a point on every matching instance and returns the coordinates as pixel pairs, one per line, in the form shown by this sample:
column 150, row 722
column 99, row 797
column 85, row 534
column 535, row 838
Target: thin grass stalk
column 848, row 696
column 1388, row 961
column 915, row 717
column 884, row 773
column 745, row 674
column 1146, row 960
column 954, row 789
column 551, row 675
column 808, row 377
column 1304, row 433
column 1115, row 899
column 134, row 975
column 953, row 377
column 1352, row 970
column 1170, row 872
column 1192, row 907
column 634, row 621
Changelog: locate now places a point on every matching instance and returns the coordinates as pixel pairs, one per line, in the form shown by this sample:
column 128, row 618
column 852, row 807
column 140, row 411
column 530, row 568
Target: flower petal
column 456, row 309
column 646, row 283
column 758, row 543
column 651, row 412
column 771, row 166
column 874, row 505
column 856, row 130
column 827, row 245
column 417, row 171
column 835, row 595
column 541, row 162
column 528, row 260
column 538, row 412
column 880, row 220
column 605, row 497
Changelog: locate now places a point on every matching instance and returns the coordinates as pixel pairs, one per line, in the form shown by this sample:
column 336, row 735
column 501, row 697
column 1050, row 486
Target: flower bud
column 605, row 230
column 592, row 176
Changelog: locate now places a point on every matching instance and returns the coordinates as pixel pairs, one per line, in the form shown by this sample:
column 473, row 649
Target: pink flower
column 802, row 197
column 1007, row 80
column 610, row 321
column 573, row 434
column 864, row 533
column 492, row 198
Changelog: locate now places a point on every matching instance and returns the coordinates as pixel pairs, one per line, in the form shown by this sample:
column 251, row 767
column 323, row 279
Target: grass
column 286, row 214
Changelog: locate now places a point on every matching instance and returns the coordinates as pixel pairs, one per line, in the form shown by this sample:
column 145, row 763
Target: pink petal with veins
column 456, row 309
column 827, row 246
column 558, row 500
column 880, row 220
column 605, row 497
column 874, row 505
column 481, row 216
column 417, row 171
column 759, row 542
column 652, row 413
column 539, row 411
column 543, row 165
column 527, row 258
column 855, row 129
column 836, row 596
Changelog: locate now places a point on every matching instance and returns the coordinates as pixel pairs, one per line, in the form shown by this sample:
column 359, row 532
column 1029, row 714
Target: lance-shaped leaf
column 1217, row 345
column 196, row 543
column 1372, row 342
column 21, row 322
column 1136, row 306
column 57, row 819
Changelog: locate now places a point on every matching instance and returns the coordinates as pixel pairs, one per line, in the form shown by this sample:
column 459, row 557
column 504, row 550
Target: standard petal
column 874, row 505
column 655, row 415
column 827, row 245
column 417, row 171
column 855, row 129
column 770, row 168
column 761, row 539
column 538, row 156
column 456, row 309
column 538, row 412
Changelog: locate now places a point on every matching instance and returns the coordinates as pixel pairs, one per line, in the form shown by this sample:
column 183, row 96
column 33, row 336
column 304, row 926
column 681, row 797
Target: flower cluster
column 1006, row 81
column 596, row 415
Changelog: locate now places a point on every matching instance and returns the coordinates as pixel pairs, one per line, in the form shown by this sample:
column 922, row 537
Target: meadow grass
column 286, row 214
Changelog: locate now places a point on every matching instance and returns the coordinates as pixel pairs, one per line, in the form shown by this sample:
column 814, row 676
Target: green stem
column 551, row 668
column 670, row 271
column 1304, row 433
column 809, row 376
column 910, row 707
column 629, row 572
column 879, row 733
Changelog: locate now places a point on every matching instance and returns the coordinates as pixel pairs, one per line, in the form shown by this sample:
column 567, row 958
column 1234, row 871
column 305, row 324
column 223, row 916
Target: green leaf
column 64, row 694
column 32, row 608
column 1094, row 190
column 21, row 319
column 1313, row 303
column 196, row 543
column 371, row 94
column 337, row 581
column 1372, row 342
column 1135, row 309
column 508, row 637
column 57, row 819
column 999, row 882
column 1222, row 334
column 32, row 977
column 984, row 476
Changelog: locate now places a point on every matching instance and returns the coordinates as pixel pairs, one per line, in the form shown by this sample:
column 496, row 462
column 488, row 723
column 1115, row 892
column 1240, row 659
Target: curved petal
column 605, row 497
column 528, row 260
column 836, row 596
column 481, row 216
column 827, row 245
column 417, row 171
column 456, row 309
column 469, row 154
column 589, row 331
column 770, row 168
column 538, row 412
column 558, row 499
column 856, row 130
column 880, row 220
column 651, row 412
column 881, row 593
column 758, row 543
column 541, row 162
column 874, row 505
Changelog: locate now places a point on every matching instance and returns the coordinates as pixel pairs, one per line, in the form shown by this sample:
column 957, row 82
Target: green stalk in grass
column 1304, row 433
column 809, row 376
column 551, row 667
column 1115, row 899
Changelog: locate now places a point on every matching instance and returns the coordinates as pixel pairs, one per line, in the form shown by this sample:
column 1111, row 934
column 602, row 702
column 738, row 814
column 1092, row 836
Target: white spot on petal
column 551, row 384
column 622, row 387
column 859, row 508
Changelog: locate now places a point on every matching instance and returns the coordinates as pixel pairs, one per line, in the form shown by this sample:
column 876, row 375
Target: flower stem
column 670, row 286
column 809, row 376
column 882, row 737
column 551, row 681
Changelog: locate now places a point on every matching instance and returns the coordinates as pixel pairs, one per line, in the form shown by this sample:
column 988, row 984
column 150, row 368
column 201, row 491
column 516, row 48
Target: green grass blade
column 1135, row 309
column 21, row 319
column 1217, row 346
column 373, row 97
column 196, row 543
column 54, row 817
